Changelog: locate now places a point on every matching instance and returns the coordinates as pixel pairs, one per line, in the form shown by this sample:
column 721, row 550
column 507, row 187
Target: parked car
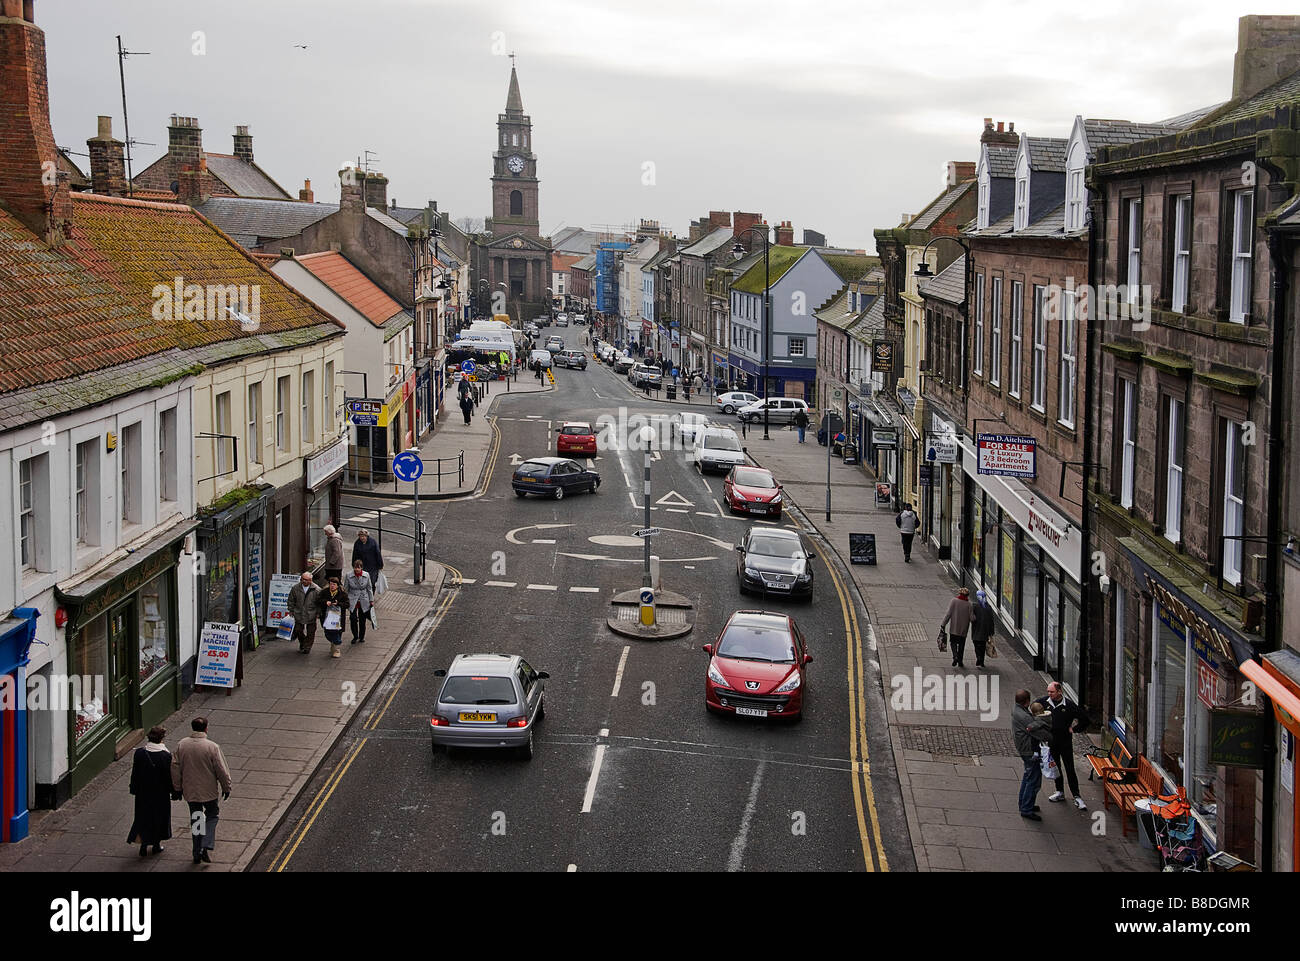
column 575, row 437
column 532, row 330
column 734, row 400
column 553, row 477
column 752, row 490
column 579, row 320
column 608, row 353
column 779, row 410
column 757, row 667
column 562, row 320
column 717, row 448
column 686, row 425
column 837, row 425
column 774, row 560
column 637, row 376
column 571, row 358
column 623, row 363
column 488, row 700
column 555, row 344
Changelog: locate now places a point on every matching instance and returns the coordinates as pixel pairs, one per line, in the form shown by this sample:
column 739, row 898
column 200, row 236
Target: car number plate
column 529, row 480
column 484, row 717
column 755, row 509
column 751, row 712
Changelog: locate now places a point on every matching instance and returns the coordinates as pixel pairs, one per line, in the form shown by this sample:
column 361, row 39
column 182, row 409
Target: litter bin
column 672, row 391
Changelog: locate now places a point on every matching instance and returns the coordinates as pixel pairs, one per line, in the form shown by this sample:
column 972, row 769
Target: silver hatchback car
column 488, row 700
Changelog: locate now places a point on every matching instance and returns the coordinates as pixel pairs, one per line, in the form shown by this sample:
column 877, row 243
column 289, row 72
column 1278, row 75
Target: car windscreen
column 477, row 689
column 531, row 468
column 750, row 643
column 721, row 442
column 748, row 477
column 580, row 429
column 786, row 547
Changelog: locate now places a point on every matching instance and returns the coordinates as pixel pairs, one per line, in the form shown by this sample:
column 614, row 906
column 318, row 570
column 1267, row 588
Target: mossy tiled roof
column 780, row 260
column 1286, row 90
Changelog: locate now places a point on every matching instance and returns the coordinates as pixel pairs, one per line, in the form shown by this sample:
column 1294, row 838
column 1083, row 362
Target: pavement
column 959, row 774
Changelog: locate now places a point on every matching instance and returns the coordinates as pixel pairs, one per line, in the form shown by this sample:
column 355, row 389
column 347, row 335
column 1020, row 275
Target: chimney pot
column 105, row 128
column 999, row 126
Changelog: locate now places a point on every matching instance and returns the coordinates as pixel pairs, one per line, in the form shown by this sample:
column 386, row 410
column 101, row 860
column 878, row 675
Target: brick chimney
column 376, row 190
column 306, row 195
column 189, row 184
column 785, row 234
column 1268, row 49
column 350, row 191
column 741, row 222
column 107, row 169
column 719, row 218
column 959, row 171
column 184, row 141
column 999, row 137
column 31, row 188
column 244, row 145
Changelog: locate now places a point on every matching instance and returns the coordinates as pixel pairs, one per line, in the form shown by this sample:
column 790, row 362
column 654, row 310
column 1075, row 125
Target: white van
column 542, row 357
column 717, row 448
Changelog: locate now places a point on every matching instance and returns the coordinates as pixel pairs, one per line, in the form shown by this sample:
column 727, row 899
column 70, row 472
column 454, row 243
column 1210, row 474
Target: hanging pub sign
column 1237, row 738
column 882, row 356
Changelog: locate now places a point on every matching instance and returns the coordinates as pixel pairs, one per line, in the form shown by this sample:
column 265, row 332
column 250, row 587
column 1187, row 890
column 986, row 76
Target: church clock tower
column 514, row 169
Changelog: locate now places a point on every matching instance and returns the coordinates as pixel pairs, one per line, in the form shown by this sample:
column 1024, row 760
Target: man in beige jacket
column 199, row 772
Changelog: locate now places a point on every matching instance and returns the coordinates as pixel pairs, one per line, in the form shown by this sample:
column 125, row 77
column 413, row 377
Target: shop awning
column 1273, row 678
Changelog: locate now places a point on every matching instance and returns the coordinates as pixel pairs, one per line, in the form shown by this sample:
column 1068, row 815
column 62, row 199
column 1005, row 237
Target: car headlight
column 738, row 495
column 776, row 499
column 804, row 578
column 751, row 572
column 716, row 676
column 791, row 683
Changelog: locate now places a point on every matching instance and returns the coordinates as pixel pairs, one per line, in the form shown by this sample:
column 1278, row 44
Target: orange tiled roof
column 167, row 196
column 562, row 262
column 337, row 273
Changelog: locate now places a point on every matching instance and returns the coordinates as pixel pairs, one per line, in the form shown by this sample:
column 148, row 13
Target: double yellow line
column 493, row 450
column 296, row 836
column 864, row 799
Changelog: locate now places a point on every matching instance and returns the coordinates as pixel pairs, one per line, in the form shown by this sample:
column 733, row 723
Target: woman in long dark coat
column 151, row 783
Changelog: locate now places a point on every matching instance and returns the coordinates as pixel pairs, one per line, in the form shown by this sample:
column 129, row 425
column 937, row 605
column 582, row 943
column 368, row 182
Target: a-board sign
column 862, row 548
column 218, row 653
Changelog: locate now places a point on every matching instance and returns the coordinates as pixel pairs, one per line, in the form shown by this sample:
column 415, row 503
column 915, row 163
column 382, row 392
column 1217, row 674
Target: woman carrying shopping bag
column 330, row 606
column 361, row 594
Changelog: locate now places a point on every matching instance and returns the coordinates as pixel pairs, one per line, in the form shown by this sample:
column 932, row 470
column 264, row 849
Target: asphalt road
column 629, row 772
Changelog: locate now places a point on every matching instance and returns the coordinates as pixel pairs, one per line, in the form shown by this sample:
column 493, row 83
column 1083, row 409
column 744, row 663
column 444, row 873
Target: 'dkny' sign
column 218, row 654
column 1007, row 455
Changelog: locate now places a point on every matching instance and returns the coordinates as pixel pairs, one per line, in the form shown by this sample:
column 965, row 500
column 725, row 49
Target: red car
column 752, row 490
column 758, row 667
column 576, row 437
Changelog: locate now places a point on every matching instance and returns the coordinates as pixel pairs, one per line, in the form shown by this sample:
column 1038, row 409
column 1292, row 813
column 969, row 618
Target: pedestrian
column 333, row 553
column 744, row 427
column 801, row 425
column 330, row 606
column 537, row 369
column 361, row 594
column 151, row 784
column 366, row 549
column 958, row 616
column 466, row 407
column 907, row 522
column 302, row 607
column 982, row 626
column 200, row 773
column 686, row 392
column 1028, row 732
column 1067, row 718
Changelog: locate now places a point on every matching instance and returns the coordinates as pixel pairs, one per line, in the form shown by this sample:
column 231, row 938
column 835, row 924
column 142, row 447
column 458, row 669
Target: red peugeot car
column 752, row 490
column 576, row 437
column 758, row 667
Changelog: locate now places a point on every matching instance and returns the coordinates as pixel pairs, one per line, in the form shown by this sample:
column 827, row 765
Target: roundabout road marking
column 510, row 535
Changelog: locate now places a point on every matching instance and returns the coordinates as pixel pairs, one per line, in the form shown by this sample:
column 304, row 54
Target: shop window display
column 992, row 524
column 155, row 611
column 977, row 531
column 1009, row 573
column 1030, row 573
column 1170, row 708
column 90, row 666
column 318, row 515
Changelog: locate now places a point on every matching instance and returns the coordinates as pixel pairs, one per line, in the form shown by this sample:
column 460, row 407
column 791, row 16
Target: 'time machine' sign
column 1007, row 455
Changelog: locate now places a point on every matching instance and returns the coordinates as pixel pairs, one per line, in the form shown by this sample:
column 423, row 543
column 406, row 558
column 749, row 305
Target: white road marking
column 721, row 512
column 544, row 540
column 590, row 795
column 618, row 677
column 675, row 510
column 689, row 567
column 674, row 499
column 584, row 590
column 500, row 583
column 541, row 587
column 573, row 868
column 705, row 514
column 604, row 732
column 632, row 497
column 469, row 580
column 742, row 836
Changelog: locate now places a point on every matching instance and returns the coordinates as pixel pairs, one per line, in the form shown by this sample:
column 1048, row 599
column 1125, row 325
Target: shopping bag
column 382, row 584
column 943, row 640
column 992, row 649
column 334, row 620
column 1050, row 771
column 373, row 619
column 285, row 631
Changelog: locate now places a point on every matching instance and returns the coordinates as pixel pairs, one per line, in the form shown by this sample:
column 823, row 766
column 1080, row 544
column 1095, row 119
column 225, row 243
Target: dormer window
column 1075, row 193
column 1022, row 191
column 982, row 212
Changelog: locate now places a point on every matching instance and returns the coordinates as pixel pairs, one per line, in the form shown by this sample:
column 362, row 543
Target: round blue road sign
column 407, row 466
column 467, row 367
column 647, row 596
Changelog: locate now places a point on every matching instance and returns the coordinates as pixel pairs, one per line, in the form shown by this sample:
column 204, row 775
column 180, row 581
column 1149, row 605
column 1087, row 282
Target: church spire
column 514, row 103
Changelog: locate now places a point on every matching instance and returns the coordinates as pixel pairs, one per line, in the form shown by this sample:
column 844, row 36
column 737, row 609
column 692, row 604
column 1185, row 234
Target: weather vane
column 512, row 61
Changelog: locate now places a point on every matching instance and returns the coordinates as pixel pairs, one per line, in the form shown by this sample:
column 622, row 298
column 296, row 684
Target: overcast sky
column 833, row 114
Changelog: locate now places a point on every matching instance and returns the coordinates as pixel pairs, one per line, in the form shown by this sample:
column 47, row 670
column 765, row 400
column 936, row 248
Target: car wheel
column 541, row 710
column 729, row 409
column 559, row 493
column 520, row 494
column 595, row 486
column 526, row 751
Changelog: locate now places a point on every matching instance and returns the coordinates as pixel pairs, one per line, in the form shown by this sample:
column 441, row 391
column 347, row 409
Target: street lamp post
column 737, row 252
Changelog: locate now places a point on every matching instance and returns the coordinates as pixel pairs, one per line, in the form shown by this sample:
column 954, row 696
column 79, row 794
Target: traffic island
column 673, row 616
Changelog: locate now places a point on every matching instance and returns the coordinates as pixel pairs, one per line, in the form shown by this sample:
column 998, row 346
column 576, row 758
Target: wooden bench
column 1126, row 793
column 1117, row 756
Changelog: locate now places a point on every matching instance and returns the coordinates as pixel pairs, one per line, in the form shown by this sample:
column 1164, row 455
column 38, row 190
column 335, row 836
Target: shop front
column 323, row 488
column 17, row 632
column 230, row 536
column 720, row 369
column 1195, row 692
column 943, row 496
column 122, row 675
column 294, row 509
column 1026, row 558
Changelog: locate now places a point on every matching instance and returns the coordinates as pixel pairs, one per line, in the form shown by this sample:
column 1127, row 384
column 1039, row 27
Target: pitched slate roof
column 254, row 221
column 1184, row 120
column 586, row 263
column 949, row 285
column 245, row 179
column 850, row 267
column 1046, row 154
column 835, row 312
column 872, row 321
column 406, row 215
column 1049, row 225
column 1002, row 161
column 928, row 217
column 1286, row 90
column 340, row 275
column 395, row 226
column 709, row 243
column 1108, row 133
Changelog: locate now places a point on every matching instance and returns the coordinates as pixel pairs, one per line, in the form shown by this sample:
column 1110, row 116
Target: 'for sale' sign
column 1007, row 455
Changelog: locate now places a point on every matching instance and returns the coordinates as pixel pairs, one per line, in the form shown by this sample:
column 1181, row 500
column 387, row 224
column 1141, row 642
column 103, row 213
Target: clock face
column 516, row 164
column 516, row 243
